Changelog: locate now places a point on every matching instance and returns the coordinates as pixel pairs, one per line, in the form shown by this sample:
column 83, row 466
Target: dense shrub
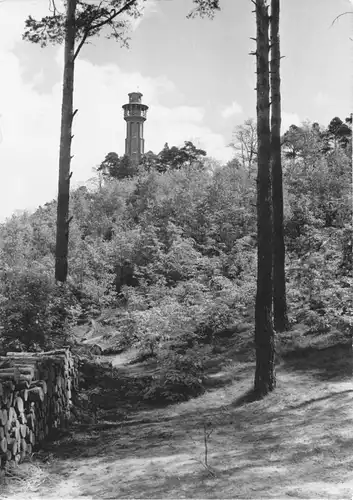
column 35, row 312
column 179, row 376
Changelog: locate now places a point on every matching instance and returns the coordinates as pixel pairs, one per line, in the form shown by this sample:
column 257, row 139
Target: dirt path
column 296, row 443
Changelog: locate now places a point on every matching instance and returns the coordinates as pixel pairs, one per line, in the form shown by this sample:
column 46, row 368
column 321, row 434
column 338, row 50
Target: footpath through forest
column 295, row 443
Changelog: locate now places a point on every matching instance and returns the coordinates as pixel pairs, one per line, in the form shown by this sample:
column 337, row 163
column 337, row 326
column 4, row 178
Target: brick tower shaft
column 135, row 114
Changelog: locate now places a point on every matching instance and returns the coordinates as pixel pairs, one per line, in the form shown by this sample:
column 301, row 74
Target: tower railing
column 138, row 111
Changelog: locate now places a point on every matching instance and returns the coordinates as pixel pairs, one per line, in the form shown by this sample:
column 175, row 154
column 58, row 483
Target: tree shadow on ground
column 330, row 363
column 253, row 442
column 155, row 428
column 323, row 398
column 158, row 452
column 151, row 451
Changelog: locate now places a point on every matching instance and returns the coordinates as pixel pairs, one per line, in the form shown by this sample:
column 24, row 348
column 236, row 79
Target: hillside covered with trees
column 166, row 254
column 195, row 313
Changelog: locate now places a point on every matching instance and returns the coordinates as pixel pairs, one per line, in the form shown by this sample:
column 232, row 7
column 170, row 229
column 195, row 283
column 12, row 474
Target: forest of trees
column 171, row 250
column 180, row 248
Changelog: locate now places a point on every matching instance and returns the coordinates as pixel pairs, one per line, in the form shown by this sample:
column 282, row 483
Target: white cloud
column 322, row 99
column 30, row 121
column 149, row 8
column 179, row 114
column 233, row 109
column 12, row 19
column 289, row 119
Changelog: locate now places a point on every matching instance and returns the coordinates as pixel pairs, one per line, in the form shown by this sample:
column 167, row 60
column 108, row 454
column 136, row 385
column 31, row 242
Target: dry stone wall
column 35, row 399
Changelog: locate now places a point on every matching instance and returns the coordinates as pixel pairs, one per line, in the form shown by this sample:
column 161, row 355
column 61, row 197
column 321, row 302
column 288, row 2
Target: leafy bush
column 35, row 312
column 179, row 377
column 92, row 271
column 316, row 322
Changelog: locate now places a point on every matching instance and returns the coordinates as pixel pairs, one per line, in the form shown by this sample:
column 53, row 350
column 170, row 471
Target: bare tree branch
column 340, row 15
column 87, row 32
column 81, row 44
column 53, row 8
column 106, row 21
column 114, row 14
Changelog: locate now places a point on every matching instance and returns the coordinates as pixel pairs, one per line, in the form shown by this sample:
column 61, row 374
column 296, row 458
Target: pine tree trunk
column 279, row 277
column 62, row 223
column 265, row 377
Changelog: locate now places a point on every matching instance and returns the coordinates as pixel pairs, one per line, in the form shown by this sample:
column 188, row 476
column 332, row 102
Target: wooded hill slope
column 166, row 254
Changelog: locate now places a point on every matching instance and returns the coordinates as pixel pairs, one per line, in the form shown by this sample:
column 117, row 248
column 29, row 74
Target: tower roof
column 135, row 97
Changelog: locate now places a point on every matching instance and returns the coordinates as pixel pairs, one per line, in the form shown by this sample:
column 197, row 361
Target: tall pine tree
column 81, row 22
column 265, row 376
column 279, row 278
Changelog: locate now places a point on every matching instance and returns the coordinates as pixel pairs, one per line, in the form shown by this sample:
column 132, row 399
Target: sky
column 196, row 76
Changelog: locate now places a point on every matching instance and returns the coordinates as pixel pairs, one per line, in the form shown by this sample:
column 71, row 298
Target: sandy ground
column 295, row 443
